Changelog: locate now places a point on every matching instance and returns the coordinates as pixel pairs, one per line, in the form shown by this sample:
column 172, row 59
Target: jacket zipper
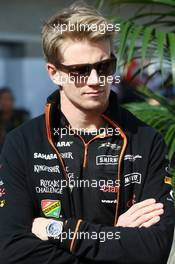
column 119, row 162
column 86, row 147
column 48, row 106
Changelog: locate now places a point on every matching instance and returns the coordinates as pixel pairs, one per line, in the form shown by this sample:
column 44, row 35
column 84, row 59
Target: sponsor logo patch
column 64, row 144
column 2, row 203
column 49, row 186
column 66, row 155
column 131, row 178
column 167, row 169
column 171, row 196
column 106, row 160
column 2, row 192
column 168, row 180
column 110, row 145
column 39, row 168
column 110, row 189
column 109, row 201
column 44, row 156
column 132, row 158
column 1, row 183
column 51, row 208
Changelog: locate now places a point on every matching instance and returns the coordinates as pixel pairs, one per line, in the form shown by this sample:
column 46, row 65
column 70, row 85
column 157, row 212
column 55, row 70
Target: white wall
column 29, row 81
column 37, row 84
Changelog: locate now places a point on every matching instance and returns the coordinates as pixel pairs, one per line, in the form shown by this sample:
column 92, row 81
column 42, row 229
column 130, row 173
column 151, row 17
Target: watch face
column 54, row 229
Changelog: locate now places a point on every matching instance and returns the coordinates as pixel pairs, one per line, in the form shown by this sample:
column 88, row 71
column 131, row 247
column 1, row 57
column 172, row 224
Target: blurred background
column 22, row 67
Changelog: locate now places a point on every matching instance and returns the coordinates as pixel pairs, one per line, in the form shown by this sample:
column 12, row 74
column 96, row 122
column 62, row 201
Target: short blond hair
column 82, row 18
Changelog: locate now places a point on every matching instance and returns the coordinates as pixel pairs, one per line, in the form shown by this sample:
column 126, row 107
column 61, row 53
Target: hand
column 143, row 214
column 39, row 227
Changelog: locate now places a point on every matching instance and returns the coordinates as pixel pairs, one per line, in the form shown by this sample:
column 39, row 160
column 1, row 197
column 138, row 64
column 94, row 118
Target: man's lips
column 94, row 92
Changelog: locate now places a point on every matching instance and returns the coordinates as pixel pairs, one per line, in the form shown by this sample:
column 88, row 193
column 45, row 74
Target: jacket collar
column 113, row 110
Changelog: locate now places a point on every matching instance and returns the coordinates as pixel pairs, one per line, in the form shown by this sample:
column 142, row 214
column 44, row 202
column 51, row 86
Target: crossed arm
column 143, row 214
column 146, row 229
column 144, row 238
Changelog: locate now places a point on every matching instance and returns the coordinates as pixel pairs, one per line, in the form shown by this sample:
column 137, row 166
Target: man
column 10, row 117
column 87, row 182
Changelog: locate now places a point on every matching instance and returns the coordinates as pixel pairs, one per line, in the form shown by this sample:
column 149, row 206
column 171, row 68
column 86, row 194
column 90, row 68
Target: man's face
column 93, row 93
column 6, row 102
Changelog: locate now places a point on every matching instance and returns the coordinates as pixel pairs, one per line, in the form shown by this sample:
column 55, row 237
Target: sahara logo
column 44, row 156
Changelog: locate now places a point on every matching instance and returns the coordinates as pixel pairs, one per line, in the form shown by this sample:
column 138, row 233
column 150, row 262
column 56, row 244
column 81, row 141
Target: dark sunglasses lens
column 80, row 71
column 106, row 68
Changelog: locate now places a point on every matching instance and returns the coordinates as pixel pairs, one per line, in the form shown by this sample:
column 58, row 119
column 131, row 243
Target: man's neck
column 79, row 118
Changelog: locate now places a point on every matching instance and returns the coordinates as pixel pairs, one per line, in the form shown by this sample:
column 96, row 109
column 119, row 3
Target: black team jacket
column 88, row 180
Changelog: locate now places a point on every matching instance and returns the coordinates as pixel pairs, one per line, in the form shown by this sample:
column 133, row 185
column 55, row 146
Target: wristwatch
column 54, row 229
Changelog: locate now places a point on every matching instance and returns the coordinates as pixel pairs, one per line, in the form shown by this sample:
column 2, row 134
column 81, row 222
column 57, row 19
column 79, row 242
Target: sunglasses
column 103, row 68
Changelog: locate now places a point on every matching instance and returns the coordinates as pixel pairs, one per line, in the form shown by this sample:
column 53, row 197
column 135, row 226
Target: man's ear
column 53, row 73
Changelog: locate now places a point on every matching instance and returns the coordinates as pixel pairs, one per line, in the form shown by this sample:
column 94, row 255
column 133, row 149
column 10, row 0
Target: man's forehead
column 77, row 52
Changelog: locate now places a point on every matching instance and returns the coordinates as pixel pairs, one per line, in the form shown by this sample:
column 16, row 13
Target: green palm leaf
column 171, row 38
column 160, row 48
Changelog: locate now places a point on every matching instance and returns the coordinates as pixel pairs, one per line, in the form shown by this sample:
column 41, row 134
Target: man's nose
column 93, row 78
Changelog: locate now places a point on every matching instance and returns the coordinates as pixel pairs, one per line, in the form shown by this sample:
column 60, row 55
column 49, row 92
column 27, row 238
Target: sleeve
column 17, row 243
column 130, row 245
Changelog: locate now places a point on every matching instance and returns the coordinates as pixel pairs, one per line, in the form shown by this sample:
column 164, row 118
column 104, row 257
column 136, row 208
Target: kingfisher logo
column 106, row 160
column 39, row 168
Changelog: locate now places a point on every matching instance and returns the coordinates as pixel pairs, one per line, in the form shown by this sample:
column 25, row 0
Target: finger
column 151, row 222
column 146, row 210
column 140, row 205
column 145, row 218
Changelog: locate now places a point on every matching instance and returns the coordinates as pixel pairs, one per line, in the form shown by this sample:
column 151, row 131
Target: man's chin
column 95, row 106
